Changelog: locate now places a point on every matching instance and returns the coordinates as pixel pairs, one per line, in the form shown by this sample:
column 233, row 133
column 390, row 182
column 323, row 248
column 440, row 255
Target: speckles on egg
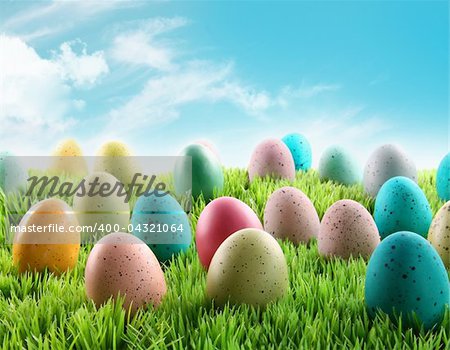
column 162, row 224
column 439, row 234
column 443, row 178
column 404, row 276
column 384, row 163
column 300, row 149
column 68, row 158
column 402, row 206
column 271, row 158
column 338, row 165
column 121, row 264
column 289, row 214
column 248, row 268
column 347, row 229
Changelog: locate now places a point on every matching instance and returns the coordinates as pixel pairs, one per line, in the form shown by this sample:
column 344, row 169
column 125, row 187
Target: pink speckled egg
column 347, row 229
column 220, row 218
column 289, row 214
column 121, row 263
column 273, row 158
column 208, row 144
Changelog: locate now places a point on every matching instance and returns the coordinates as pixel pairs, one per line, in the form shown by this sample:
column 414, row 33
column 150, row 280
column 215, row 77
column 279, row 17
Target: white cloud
column 141, row 46
column 82, row 69
column 36, row 93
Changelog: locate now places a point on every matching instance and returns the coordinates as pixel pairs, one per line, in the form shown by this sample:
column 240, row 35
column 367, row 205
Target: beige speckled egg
column 41, row 244
column 248, row 268
column 289, row 214
column 121, row 264
column 439, row 234
column 107, row 211
column 271, row 158
column 347, row 229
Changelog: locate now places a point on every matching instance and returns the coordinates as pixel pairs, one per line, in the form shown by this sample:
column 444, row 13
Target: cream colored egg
column 439, row 234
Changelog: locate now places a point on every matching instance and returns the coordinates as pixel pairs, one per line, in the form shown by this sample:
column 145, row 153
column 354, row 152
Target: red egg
column 221, row 218
column 271, row 158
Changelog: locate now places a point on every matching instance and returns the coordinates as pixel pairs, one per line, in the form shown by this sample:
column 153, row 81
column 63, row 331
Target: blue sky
column 159, row 75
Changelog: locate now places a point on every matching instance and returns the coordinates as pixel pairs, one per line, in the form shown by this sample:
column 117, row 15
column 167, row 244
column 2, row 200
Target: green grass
column 323, row 309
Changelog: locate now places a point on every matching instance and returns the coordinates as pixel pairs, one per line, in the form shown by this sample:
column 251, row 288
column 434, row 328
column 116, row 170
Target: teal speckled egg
column 202, row 172
column 406, row 277
column 300, row 150
column 443, row 178
column 162, row 224
column 402, row 206
column 338, row 165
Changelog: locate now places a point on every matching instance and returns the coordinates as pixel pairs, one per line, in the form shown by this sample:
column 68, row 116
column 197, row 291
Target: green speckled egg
column 203, row 173
column 249, row 267
column 338, row 165
column 406, row 276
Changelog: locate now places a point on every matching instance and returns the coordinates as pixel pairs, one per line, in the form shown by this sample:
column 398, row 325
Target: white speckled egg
column 347, row 229
column 248, row 268
column 121, row 264
column 384, row 163
column 439, row 234
column 289, row 214
column 271, row 158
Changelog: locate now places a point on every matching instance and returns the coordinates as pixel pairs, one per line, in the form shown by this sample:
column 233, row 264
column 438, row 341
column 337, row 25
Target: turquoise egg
column 406, row 277
column 13, row 177
column 402, row 206
column 300, row 150
column 338, row 165
column 162, row 224
column 199, row 170
column 443, row 178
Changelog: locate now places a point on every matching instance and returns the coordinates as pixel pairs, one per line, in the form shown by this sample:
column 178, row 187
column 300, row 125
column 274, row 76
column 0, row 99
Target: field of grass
column 323, row 309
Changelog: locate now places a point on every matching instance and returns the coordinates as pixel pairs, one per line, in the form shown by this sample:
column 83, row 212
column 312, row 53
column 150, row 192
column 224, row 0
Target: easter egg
column 402, row 206
column 443, row 178
column 68, row 158
column 218, row 220
column 102, row 212
column 347, row 229
column 289, row 214
column 209, row 145
column 198, row 169
column 121, row 264
column 300, row 149
column 386, row 162
column 37, row 246
column 439, row 234
column 338, row 165
column 248, row 268
column 162, row 224
column 406, row 277
column 271, row 158
column 13, row 176
column 116, row 158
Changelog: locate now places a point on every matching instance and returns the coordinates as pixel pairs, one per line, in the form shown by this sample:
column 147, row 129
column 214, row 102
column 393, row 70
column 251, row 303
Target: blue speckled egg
column 402, row 206
column 162, row 224
column 406, row 276
column 300, row 150
column 13, row 177
column 338, row 165
column 443, row 178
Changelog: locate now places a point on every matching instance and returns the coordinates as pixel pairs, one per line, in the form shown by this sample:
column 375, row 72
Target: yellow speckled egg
column 68, row 158
column 116, row 158
column 439, row 234
column 43, row 238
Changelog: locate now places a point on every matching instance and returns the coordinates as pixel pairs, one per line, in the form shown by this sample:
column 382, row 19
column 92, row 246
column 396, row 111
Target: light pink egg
column 271, row 157
column 347, row 229
column 289, row 214
column 220, row 218
column 121, row 263
column 210, row 146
